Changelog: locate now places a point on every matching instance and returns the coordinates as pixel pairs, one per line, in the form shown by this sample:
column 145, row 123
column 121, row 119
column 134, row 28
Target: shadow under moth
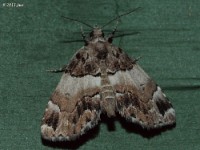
column 102, row 78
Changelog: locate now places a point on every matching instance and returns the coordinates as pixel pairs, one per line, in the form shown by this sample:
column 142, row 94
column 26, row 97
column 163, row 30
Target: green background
column 31, row 42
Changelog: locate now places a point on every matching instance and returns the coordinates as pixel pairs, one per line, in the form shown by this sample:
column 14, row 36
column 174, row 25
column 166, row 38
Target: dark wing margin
column 64, row 126
column 157, row 112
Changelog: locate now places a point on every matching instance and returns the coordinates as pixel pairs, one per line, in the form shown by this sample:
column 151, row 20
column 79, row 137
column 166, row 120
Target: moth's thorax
column 97, row 39
column 97, row 35
column 97, row 32
column 98, row 48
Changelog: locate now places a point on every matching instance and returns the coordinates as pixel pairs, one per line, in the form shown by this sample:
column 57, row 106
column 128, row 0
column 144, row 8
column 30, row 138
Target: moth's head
column 96, row 33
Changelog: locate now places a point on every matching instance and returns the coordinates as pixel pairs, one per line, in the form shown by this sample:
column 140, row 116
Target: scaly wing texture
column 140, row 100
column 74, row 107
column 88, row 59
column 76, row 104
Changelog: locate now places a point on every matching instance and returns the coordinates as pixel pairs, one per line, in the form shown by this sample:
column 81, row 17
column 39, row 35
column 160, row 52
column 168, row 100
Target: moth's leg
column 62, row 69
column 137, row 59
column 110, row 37
column 84, row 37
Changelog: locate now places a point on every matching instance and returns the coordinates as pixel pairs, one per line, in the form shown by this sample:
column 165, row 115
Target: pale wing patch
column 71, row 90
column 53, row 107
column 136, row 77
column 73, row 85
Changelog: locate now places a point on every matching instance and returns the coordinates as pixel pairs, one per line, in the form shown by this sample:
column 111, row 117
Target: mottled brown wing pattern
column 71, row 111
column 88, row 59
column 101, row 78
column 140, row 100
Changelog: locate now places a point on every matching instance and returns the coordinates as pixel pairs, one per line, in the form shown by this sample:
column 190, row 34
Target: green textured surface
column 30, row 38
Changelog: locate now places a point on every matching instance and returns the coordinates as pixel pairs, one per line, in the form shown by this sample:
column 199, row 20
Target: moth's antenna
column 77, row 21
column 120, row 17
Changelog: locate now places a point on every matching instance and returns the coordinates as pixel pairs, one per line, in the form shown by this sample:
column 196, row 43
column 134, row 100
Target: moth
column 102, row 78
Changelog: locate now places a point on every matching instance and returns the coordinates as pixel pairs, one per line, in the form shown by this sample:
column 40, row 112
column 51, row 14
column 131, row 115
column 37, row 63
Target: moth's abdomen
column 108, row 100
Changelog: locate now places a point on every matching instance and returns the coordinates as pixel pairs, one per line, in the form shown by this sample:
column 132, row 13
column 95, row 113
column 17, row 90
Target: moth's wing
column 74, row 107
column 140, row 100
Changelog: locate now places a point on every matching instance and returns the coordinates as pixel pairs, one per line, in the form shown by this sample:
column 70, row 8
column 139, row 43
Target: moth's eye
column 91, row 34
column 102, row 34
